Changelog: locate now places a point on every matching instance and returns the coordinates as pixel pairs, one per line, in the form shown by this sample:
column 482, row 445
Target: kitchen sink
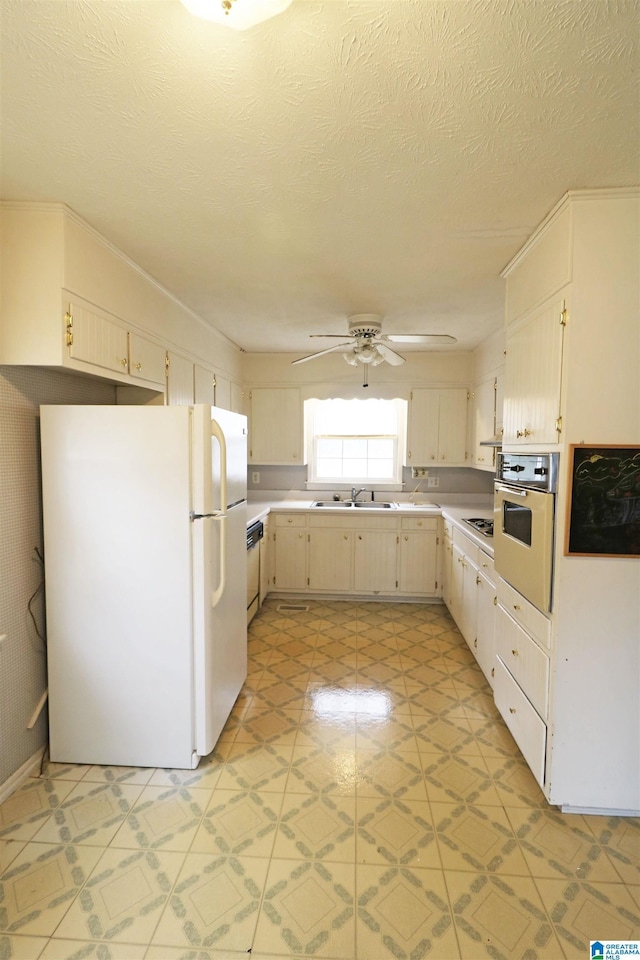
column 367, row 504
column 374, row 505
column 331, row 503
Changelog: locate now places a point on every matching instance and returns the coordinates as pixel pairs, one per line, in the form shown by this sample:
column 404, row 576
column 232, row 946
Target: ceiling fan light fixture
column 237, row 14
column 351, row 358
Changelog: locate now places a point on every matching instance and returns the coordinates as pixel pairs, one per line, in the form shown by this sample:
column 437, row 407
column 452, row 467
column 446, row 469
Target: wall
column 451, row 480
column 22, row 652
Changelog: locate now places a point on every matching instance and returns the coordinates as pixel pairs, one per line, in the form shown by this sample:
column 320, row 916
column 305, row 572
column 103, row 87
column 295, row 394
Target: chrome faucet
column 355, row 493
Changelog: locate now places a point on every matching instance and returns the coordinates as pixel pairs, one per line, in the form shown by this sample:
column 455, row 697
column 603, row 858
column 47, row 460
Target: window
column 356, row 441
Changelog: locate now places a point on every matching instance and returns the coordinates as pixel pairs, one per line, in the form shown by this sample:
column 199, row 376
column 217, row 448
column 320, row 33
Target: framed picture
column 604, row 501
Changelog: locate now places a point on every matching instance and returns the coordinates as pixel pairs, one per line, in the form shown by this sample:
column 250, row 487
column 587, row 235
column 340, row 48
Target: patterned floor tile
column 458, row 778
column 22, row 948
column 389, row 672
column 515, row 784
column 403, row 913
column 239, row 824
column 430, row 701
column 317, row 827
column 91, row 814
column 558, row 845
column 25, row 811
column 9, row 850
column 214, row 904
column 500, row 917
column 64, row 771
column 390, row 774
column 396, row 832
column 385, row 733
column 620, row 838
column 261, row 767
column 581, row 911
column 163, row 819
column 124, row 897
column 204, row 777
column 308, row 908
column 92, row 950
column 493, row 739
column 40, row 886
column 268, row 724
column 135, row 775
column 442, row 735
column 477, row 838
column 329, row 770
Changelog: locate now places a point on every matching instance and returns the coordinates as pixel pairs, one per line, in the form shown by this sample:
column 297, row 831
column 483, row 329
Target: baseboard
column 28, row 769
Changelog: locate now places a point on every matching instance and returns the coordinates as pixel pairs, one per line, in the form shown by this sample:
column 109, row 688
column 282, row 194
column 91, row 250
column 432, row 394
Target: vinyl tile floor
column 364, row 801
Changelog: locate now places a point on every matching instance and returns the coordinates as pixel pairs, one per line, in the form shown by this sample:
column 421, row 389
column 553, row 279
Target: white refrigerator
column 144, row 512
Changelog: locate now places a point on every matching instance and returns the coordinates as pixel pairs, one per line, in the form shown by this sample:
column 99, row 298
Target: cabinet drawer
column 528, row 663
column 370, row 522
column 470, row 550
column 290, row 519
column 529, row 617
column 485, row 563
column 526, row 727
column 418, row 523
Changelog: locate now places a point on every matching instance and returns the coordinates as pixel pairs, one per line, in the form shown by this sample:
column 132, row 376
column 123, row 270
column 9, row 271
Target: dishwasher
column 255, row 533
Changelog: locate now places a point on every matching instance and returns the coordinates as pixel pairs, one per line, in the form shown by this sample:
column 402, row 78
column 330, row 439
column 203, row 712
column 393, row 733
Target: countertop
column 258, row 510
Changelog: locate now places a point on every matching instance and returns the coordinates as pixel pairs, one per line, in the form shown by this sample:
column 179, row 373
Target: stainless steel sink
column 331, row 503
column 374, row 505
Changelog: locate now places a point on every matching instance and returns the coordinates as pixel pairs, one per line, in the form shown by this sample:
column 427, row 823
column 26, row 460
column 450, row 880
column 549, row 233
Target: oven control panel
column 537, row 471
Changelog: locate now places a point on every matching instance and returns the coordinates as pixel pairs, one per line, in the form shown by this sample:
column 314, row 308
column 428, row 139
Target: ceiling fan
column 369, row 345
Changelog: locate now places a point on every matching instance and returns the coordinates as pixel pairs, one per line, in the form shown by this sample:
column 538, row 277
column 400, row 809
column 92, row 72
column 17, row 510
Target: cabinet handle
column 523, row 433
column 359, row 536
column 515, row 653
column 475, row 643
column 124, row 362
column 138, row 366
column 495, row 601
column 512, row 709
column 346, row 536
column 406, row 537
column 290, row 520
column 478, row 581
column 516, row 606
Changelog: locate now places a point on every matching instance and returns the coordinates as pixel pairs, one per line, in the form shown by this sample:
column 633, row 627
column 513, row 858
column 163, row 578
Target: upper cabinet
column 484, row 422
column 70, row 300
column 437, row 434
column 533, row 375
column 276, row 426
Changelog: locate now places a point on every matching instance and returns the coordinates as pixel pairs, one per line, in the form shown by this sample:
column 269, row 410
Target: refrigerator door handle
column 218, row 434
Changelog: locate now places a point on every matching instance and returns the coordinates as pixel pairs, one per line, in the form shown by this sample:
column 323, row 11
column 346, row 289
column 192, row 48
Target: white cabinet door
column 437, row 426
column 375, row 562
column 447, row 568
column 330, row 559
column 485, row 643
column 204, row 385
column 146, row 359
column 533, row 371
column 179, row 380
column 95, row 339
column 418, row 564
column 484, row 422
column 275, row 426
column 223, row 392
column 290, row 558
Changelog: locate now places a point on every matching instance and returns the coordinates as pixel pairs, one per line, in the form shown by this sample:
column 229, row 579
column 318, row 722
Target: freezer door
column 219, row 443
column 220, row 628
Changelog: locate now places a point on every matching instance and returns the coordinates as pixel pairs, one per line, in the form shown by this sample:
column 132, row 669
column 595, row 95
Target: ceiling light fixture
column 238, row 14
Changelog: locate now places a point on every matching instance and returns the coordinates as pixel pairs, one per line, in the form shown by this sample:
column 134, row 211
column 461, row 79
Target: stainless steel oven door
column 523, row 541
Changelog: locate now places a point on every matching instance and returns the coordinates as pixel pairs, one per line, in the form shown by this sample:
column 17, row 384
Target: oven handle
column 512, row 491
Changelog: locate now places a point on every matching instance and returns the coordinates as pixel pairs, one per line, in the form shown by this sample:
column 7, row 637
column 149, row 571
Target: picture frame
column 603, row 509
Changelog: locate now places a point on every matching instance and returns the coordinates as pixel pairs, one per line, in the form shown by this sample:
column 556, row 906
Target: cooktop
column 485, row 527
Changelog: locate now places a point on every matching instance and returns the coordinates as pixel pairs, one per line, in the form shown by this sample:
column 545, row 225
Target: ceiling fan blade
column 419, row 338
column 389, row 355
column 321, row 353
column 326, row 335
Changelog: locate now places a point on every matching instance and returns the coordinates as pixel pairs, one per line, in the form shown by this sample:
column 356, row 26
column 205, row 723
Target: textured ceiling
column 348, row 156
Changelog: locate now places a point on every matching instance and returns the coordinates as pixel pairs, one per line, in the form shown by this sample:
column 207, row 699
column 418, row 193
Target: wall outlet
column 255, row 476
column 433, row 482
column 419, row 473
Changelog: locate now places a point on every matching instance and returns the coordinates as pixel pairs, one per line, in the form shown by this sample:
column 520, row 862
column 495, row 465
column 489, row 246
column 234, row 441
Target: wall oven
column 523, row 528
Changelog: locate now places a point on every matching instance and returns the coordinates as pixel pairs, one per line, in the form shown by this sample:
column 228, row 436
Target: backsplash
column 22, row 651
column 451, row 480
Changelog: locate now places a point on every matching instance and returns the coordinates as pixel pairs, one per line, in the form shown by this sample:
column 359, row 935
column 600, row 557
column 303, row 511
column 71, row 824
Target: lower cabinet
column 290, row 551
column 376, row 560
column 359, row 554
column 470, row 594
column 522, row 668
